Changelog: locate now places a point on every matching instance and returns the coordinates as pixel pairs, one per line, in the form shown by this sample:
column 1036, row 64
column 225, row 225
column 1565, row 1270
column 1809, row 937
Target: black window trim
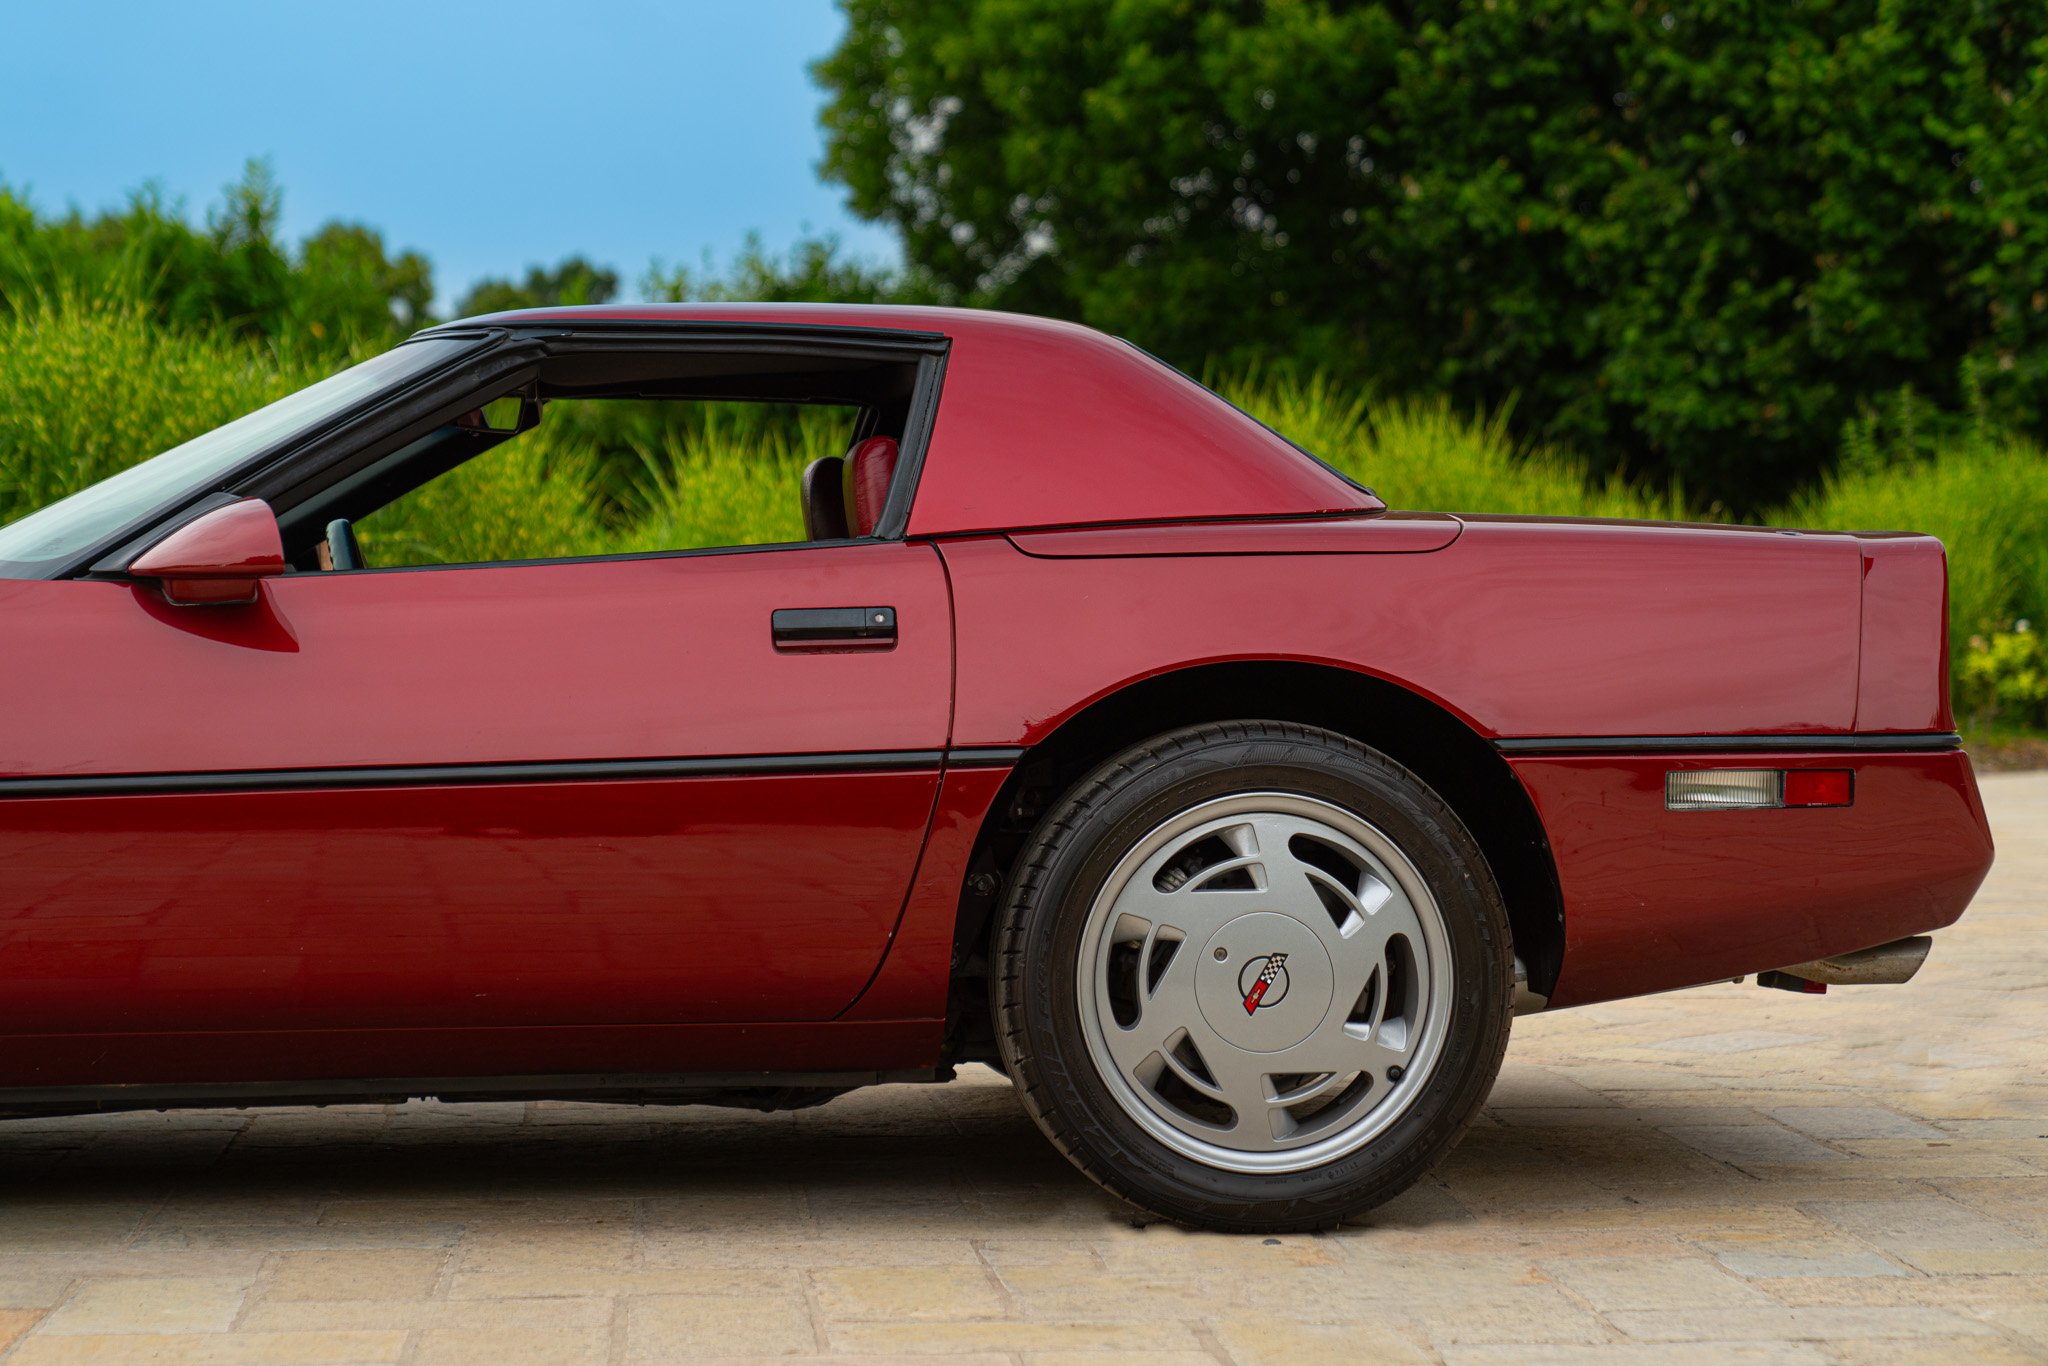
column 510, row 348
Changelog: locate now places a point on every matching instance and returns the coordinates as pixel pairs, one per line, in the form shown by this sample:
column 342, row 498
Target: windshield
column 45, row 540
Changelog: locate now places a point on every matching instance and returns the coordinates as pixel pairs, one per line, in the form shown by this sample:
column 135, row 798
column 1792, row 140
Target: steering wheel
column 342, row 547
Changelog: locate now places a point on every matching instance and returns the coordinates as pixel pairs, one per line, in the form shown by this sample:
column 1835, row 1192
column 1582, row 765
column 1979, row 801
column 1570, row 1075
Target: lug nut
column 1221, row 953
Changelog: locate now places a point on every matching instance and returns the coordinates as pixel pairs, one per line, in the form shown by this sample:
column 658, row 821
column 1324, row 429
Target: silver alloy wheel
column 1264, row 982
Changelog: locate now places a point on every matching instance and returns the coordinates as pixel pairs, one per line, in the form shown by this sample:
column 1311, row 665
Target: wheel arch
column 1420, row 734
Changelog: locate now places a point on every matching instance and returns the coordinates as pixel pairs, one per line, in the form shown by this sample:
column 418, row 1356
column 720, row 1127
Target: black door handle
column 798, row 628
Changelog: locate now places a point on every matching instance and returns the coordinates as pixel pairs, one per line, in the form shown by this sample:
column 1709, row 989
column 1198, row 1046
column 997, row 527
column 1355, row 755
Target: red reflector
column 1818, row 787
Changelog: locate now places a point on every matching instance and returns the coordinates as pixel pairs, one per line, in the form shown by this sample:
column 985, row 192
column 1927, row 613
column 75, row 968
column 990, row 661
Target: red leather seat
column 869, row 471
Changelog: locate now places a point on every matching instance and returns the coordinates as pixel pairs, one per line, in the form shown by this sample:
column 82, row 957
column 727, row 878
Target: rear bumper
column 1657, row 899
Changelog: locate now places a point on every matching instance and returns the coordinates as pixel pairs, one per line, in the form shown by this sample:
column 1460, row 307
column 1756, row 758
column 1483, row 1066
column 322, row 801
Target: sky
column 489, row 136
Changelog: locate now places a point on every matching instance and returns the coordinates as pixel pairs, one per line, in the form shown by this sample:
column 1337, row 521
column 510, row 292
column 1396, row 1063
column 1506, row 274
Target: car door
column 510, row 796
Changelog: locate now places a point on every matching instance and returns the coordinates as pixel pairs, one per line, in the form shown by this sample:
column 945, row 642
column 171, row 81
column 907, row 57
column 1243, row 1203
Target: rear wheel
column 1252, row 976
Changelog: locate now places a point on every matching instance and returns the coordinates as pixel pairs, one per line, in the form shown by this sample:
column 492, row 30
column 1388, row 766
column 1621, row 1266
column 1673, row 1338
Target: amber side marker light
column 1757, row 789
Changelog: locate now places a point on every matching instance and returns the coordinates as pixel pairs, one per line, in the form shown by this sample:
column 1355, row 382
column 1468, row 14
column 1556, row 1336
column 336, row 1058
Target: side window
column 617, row 477
column 590, row 454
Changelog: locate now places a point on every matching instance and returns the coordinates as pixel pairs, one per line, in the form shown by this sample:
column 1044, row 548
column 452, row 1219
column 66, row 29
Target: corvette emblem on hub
column 1263, row 982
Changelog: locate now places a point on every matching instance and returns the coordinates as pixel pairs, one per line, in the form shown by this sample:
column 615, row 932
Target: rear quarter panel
column 1522, row 629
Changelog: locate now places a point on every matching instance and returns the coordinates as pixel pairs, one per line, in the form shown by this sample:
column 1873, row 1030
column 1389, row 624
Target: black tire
column 1065, row 864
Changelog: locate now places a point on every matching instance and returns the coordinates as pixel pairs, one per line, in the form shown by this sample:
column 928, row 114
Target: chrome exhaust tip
column 1884, row 965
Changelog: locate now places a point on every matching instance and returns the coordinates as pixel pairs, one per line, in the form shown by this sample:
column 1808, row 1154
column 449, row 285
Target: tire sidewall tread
column 1041, row 919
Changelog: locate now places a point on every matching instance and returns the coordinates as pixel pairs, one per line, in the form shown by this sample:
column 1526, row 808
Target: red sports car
column 1096, row 733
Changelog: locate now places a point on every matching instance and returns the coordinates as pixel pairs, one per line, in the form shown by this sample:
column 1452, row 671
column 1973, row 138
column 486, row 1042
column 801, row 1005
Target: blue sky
column 488, row 135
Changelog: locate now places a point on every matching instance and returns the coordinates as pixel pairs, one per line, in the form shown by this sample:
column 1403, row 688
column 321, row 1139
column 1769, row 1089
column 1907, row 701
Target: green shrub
column 339, row 291
column 90, row 386
column 1988, row 502
column 629, row 440
column 1422, row 453
column 525, row 500
column 716, row 490
column 2003, row 678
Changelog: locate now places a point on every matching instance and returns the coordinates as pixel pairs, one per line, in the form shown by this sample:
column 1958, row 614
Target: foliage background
column 1688, row 239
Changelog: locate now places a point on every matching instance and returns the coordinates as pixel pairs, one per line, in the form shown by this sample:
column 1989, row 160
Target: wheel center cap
column 1264, row 982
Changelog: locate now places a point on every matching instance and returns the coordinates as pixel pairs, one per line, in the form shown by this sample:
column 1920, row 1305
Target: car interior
column 840, row 493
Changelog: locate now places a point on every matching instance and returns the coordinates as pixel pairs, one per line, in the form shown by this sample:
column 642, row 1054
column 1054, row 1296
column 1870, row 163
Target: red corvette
column 1096, row 733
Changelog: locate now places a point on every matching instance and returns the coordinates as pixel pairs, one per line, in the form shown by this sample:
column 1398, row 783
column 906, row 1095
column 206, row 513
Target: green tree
column 574, row 281
column 349, row 282
column 340, row 290
column 1691, row 238
column 815, row 270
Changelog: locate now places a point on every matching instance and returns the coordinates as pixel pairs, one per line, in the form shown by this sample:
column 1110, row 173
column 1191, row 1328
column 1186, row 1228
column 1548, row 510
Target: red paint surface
column 667, row 902
column 1656, row 899
column 656, row 903
column 1904, row 681
column 664, row 657
column 1522, row 628
column 915, row 976
column 239, row 541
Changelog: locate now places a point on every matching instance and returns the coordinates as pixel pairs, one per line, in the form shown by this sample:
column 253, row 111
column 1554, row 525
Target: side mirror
column 218, row 560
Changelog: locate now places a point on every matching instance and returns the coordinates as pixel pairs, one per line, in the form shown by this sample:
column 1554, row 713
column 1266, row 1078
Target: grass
column 92, row 385
column 574, row 487
column 1422, row 453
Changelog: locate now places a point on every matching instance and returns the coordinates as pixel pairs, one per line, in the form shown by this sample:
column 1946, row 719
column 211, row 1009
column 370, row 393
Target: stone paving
column 1722, row 1174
